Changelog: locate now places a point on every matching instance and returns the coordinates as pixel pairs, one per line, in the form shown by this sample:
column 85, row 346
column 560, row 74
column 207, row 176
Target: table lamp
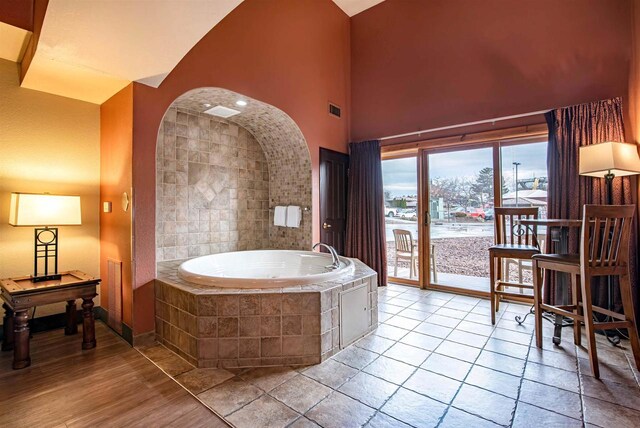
column 42, row 211
column 609, row 160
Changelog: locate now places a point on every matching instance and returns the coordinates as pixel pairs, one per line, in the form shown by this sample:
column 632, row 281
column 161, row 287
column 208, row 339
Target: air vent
column 222, row 111
column 334, row 110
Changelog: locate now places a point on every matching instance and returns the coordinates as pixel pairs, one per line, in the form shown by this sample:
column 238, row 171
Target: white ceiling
column 105, row 44
column 354, row 7
column 89, row 50
column 14, row 42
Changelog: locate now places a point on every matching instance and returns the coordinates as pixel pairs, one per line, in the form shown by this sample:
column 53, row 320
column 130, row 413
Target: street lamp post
column 516, row 165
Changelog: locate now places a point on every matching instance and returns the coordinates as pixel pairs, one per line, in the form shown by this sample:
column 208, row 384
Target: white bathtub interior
column 263, row 269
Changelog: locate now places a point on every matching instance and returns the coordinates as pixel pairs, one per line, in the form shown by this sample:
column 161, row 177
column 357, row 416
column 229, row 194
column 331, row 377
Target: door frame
column 425, row 258
column 421, row 149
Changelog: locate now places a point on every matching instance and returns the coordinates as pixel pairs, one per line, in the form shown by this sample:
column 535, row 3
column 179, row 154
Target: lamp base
column 51, row 277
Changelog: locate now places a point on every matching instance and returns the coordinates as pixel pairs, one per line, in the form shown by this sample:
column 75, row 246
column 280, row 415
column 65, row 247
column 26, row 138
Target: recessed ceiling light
column 241, row 103
column 222, row 111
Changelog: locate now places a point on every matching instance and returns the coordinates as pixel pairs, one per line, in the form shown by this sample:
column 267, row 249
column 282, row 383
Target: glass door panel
column 524, row 178
column 400, row 183
column 461, row 200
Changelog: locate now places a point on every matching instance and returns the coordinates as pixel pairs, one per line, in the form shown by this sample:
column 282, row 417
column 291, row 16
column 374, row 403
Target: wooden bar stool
column 604, row 251
column 513, row 241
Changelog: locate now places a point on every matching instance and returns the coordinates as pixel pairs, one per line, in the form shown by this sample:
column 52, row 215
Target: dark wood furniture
column 604, row 251
column 513, row 241
column 21, row 294
column 557, row 232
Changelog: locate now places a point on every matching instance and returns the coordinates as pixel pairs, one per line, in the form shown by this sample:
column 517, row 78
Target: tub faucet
column 334, row 255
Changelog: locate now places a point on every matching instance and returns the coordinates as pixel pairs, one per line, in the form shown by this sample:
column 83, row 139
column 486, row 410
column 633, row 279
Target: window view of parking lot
column 461, row 204
column 400, row 179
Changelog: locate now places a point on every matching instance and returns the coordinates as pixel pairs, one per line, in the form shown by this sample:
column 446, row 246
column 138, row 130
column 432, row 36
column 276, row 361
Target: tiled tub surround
column 229, row 328
column 287, row 159
column 212, row 184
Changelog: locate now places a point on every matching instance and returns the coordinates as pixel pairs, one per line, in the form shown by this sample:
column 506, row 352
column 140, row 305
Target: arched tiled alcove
column 217, row 180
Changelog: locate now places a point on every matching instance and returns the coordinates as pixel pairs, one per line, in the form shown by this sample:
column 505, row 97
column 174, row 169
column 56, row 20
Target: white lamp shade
column 28, row 209
column 620, row 159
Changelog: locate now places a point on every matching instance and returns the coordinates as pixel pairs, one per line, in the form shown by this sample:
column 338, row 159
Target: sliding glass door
column 439, row 205
column 460, row 193
column 400, row 184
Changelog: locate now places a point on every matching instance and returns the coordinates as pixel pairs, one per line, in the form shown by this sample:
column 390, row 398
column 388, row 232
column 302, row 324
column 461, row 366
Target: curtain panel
column 570, row 128
column 365, row 217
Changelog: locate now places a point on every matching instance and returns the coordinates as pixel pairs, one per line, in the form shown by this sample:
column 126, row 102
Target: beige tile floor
column 435, row 360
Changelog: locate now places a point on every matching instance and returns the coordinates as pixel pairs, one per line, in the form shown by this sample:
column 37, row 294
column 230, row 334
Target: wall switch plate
column 106, row 207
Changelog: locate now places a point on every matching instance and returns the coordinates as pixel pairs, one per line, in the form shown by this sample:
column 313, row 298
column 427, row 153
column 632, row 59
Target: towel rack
column 305, row 209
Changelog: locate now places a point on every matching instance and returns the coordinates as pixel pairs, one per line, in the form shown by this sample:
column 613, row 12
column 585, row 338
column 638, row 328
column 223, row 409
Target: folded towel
column 280, row 216
column 294, row 216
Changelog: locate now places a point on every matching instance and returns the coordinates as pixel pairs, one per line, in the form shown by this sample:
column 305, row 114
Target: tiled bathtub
column 222, row 327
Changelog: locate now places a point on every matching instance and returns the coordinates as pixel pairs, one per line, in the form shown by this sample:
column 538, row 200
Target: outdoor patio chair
column 604, row 251
column 513, row 241
column 406, row 249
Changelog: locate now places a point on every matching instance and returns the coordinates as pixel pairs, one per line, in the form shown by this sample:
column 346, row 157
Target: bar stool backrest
column 605, row 235
column 507, row 232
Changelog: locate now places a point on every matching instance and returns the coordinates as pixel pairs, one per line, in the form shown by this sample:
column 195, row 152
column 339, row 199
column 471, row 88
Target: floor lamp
column 609, row 160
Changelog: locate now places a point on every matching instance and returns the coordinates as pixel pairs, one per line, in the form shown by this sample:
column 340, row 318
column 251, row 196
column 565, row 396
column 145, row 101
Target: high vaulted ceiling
column 354, row 7
column 89, row 50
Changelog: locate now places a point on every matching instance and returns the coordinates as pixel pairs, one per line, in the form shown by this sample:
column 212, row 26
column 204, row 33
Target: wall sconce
column 45, row 210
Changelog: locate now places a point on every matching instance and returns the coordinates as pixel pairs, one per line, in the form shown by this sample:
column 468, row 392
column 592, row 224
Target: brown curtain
column 570, row 128
column 365, row 216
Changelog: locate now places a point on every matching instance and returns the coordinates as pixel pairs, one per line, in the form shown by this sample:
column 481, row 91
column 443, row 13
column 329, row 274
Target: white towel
column 280, row 216
column 294, row 215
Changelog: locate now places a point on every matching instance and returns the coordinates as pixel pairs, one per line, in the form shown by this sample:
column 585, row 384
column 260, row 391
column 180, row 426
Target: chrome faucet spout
column 334, row 255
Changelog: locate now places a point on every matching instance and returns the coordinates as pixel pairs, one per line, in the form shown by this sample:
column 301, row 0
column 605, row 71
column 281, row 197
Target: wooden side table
column 21, row 294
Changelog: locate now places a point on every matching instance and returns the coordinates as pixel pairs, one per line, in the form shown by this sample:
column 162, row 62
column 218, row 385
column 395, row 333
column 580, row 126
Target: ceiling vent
column 334, row 110
column 222, row 111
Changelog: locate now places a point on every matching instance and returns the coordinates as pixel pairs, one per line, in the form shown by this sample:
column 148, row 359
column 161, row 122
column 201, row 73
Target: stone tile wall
column 212, row 187
column 286, row 152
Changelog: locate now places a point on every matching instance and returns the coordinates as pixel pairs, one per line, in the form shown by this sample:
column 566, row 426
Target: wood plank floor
column 112, row 385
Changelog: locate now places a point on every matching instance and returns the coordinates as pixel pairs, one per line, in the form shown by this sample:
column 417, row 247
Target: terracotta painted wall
column 292, row 54
column 634, row 75
column 48, row 144
column 18, row 13
column 420, row 64
column 116, row 139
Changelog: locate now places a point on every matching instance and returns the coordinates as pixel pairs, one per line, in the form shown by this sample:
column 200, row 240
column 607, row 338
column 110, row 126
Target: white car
column 390, row 212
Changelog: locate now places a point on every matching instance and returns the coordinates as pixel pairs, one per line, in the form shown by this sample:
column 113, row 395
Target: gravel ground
column 461, row 256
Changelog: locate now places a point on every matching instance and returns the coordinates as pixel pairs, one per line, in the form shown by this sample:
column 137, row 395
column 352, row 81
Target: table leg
column 7, row 328
column 21, row 358
column 562, row 285
column 72, row 323
column 88, row 324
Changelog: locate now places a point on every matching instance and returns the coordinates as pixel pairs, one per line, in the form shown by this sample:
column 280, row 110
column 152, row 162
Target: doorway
column 334, row 173
column 459, row 226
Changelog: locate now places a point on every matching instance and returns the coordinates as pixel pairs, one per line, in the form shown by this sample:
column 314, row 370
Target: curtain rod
column 478, row 122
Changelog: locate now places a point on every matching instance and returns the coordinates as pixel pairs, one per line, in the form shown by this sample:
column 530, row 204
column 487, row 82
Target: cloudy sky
column 400, row 175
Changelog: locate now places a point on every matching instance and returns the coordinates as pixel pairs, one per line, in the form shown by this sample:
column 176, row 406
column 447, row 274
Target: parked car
column 408, row 214
column 457, row 212
column 489, row 214
column 390, row 212
column 477, row 213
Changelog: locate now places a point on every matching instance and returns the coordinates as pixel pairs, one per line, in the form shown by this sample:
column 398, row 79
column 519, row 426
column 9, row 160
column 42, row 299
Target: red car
column 477, row 213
